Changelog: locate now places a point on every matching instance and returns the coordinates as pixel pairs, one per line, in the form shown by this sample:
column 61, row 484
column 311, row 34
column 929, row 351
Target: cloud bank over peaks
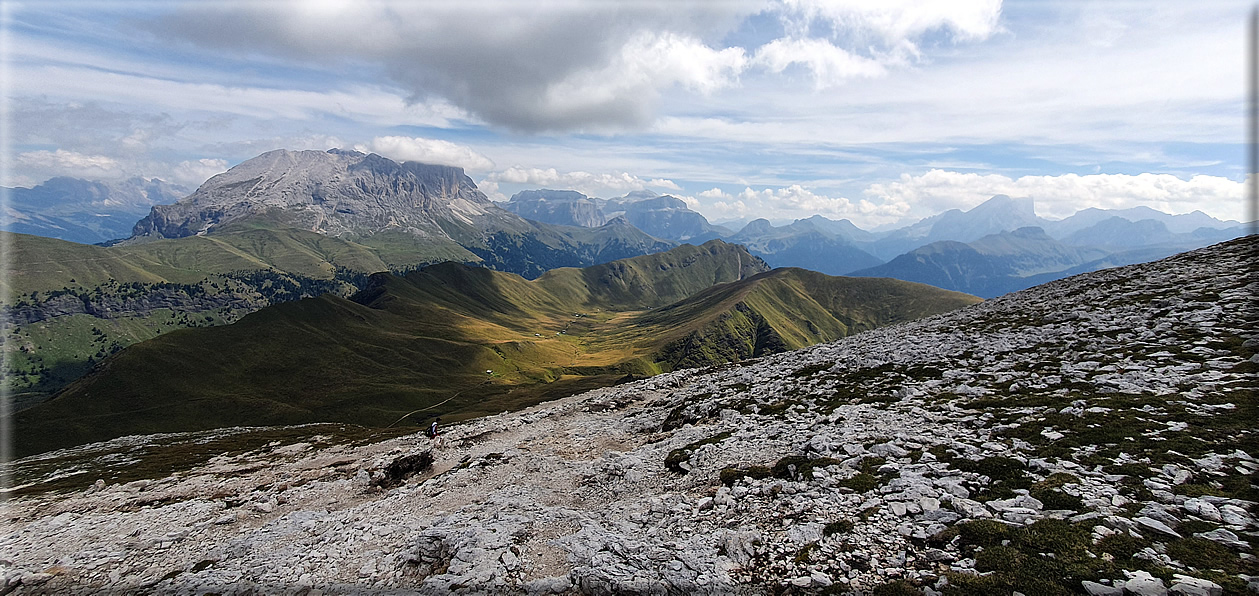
column 429, row 151
column 605, row 184
column 795, row 201
column 192, row 173
column 1063, row 195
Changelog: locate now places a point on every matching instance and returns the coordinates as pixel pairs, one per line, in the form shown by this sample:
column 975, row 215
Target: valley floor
column 1090, row 435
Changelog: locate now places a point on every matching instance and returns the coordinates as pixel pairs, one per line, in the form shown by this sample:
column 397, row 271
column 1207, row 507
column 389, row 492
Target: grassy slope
column 426, row 340
column 43, row 264
column 61, row 349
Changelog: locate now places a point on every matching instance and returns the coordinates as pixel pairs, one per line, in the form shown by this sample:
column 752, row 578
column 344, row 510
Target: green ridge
column 424, row 342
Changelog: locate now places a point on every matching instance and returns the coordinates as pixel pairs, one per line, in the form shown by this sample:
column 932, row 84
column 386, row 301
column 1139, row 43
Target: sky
column 877, row 111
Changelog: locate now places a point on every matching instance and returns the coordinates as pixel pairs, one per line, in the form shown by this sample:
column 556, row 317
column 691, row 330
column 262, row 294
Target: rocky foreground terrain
column 1093, row 435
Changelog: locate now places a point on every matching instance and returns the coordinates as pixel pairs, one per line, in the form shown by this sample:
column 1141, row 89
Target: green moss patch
column 861, row 482
column 795, row 467
column 1006, row 475
column 1204, row 554
column 732, row 474
column 1048, row 557
column 899, row 587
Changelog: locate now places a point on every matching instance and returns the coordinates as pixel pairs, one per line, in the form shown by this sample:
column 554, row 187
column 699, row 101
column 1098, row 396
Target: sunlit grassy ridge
column 424, row 342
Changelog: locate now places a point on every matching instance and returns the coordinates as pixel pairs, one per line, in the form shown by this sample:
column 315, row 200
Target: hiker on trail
column 432, row 429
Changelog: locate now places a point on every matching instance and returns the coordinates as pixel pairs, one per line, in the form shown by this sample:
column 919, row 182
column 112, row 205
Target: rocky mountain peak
column 662, row 202
column 757, row 226
column 563, row 207
column 1004, row 205
column 638, row 195
column 333, row 192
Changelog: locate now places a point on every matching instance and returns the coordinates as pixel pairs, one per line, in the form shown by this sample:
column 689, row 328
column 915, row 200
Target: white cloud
column 659, row 60
column 70, row 163
column 587, row 183
column 729, row 210
column 624, row 92
column 796, row 201
column 193, row 172
column 795, row 198
column 429, row 151
column 581, row 66
column 548, row 66
column 867, row 36
column 1062, row 196
column 830, row 65
column 490, row 189
column 692, row 203
column 714, row 194
column 897, row 22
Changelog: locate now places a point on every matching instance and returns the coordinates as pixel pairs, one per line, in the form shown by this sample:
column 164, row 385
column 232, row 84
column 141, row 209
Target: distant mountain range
column 412, row 214
column 85, row 211
column 662, row 216
column 291, row 224
column 1010, row 260
column 988, row 267
column 996, row 247
column 460, row 341
column 561, row 207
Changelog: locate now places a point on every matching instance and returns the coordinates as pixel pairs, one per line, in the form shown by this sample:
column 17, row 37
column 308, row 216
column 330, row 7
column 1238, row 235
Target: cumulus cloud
column 590, row 184
column 490, row 189
column 714, row 194
column 692, row 203
column 1061, row 196
column 429, row 151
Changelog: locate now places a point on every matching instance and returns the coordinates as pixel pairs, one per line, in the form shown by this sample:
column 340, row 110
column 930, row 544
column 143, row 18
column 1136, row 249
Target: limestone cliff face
column 561, row 207
column 339, row 193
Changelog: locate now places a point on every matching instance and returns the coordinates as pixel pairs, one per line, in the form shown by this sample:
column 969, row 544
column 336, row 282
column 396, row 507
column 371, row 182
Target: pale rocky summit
column 339, row 193
column 560, row 207
column 1099, row 429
